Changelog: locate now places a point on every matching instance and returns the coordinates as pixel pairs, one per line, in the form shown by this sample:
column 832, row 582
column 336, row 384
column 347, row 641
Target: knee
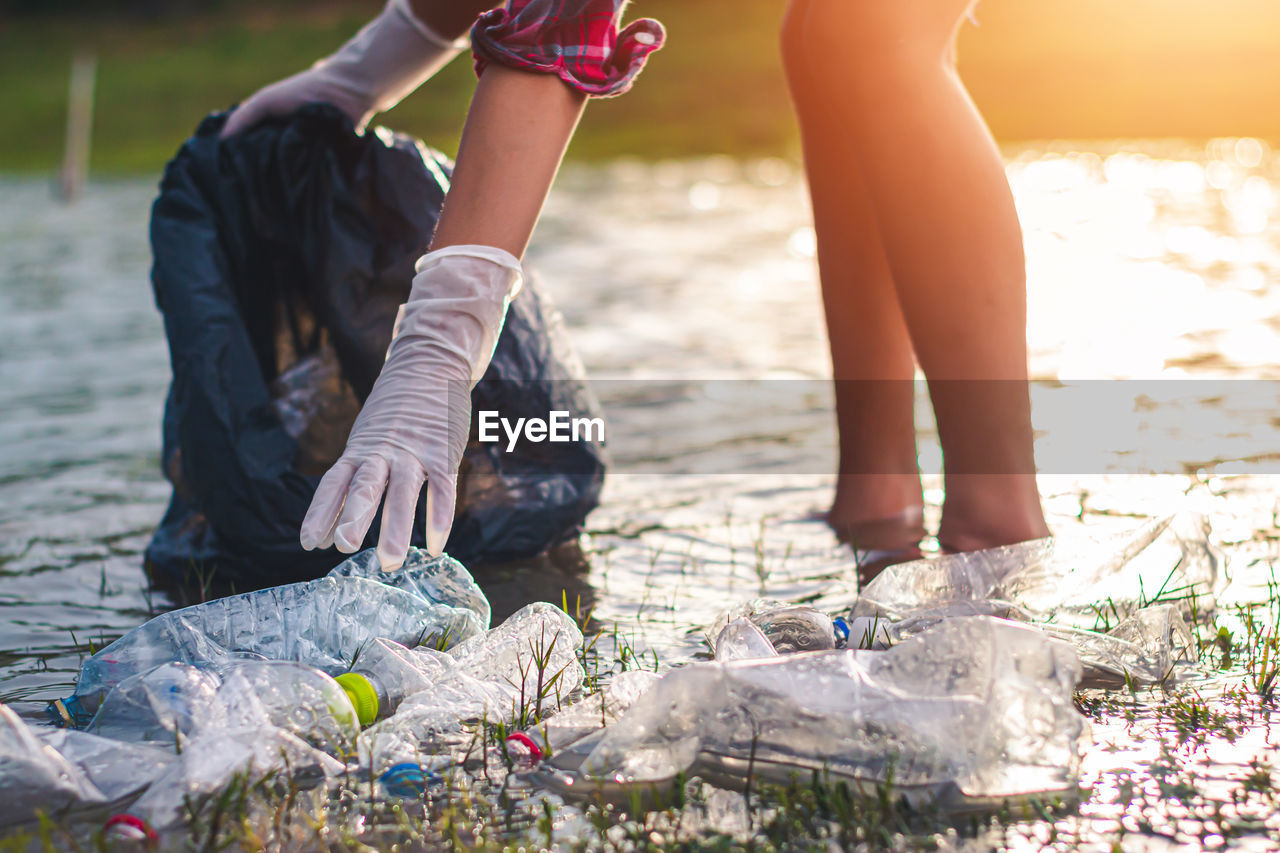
column 791, row 40
column 869, row 36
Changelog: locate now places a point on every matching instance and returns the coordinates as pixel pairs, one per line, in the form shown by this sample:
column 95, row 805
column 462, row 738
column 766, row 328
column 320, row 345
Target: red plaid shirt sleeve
column 578, row 40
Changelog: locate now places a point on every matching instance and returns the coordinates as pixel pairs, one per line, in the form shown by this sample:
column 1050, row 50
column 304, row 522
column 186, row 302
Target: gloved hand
column 415, row 424
column 391, row 56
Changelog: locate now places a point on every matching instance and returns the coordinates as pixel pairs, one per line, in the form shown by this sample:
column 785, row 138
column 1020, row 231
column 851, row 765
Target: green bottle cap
column 362, row 695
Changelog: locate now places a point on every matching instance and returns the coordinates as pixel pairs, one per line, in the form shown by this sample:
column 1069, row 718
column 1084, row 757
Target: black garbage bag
column 281, row 257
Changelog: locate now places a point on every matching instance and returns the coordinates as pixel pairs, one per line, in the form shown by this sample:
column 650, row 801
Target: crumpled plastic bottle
column 789, row 628
column 323, row 623
column 1061, row 578
column 160, row 705
column 36, row 776
column 974, row 708
column 1146, row 577
column 742, row 639
column 527, row 666
column 580, row 719
column 292, row 696
column 386, row 673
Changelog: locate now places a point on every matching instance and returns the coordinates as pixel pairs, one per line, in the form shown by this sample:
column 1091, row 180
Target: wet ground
column 1152, row 262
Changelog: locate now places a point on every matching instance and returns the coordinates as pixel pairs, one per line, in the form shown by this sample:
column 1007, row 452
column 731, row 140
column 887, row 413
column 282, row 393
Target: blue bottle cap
column 407, row 780
column 841, row 628
column 68, row 713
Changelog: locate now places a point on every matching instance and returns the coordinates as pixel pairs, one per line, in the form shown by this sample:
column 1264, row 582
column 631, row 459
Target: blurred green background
column 1038, row 68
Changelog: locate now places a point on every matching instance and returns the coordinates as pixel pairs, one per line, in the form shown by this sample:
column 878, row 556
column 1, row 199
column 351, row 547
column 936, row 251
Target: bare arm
column 517, row 131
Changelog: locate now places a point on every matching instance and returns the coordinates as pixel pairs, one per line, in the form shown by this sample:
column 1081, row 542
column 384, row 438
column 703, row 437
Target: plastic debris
column 323, row 623
column 35, row 776
column 527, row 666
column 742, row 639
column 949, row 680
column 973, row 710
column 580, row 719
column 788, row 628
column 1122, row 601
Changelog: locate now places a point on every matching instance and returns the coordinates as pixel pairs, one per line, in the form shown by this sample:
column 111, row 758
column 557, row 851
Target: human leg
column 892, row 102
column 878, row 497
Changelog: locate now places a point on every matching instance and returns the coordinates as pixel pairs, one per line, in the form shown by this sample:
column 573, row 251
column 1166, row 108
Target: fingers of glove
column 322, row 515
column 441, row 494
column 363, row 496
column 397, row 514
column 253, row 110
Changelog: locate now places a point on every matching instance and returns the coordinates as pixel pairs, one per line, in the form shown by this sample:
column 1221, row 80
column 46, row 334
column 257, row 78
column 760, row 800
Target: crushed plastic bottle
column 437, row 580
column 742, row 639
column 527, row 666
column 925, row 713
column 789, row 628
column 295, row 697
column 1146, row 648
column 385, row 674
column 158, row 706
column 35, row 776
column 1148, row 578
column 1059, row 579
column 580, row 719
column 323, row 623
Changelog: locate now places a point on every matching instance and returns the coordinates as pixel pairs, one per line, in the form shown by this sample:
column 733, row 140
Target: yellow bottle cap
column 362, row 695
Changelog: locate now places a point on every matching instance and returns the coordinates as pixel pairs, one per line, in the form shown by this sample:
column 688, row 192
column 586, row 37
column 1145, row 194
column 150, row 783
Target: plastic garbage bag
column 281, row 256
column 323, row 623
column 972, row 711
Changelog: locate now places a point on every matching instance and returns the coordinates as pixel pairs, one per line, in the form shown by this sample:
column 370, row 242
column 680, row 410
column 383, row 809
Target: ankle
column 961, row 532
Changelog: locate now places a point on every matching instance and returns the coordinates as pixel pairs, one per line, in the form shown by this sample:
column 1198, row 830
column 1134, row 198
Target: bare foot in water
column 988, row 510
column 882, row 525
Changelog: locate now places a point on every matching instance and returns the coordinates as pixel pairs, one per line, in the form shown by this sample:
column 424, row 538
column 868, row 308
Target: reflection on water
column 1142, row 265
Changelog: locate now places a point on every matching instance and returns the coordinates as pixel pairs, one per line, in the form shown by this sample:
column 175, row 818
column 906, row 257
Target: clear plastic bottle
column 323, row 623
column 789, row 628
column 580, row 719
column 919, row 713
column 160, row 705
column 527, row 666
column 385, row 674
column 797, row 629
column 292, row 696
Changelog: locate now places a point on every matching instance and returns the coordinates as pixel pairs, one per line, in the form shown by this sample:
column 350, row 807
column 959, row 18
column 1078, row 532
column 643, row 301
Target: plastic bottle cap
column 128, row 826
column 362, row 695
column 407, row 780
column 842, row 630
column 532, row 752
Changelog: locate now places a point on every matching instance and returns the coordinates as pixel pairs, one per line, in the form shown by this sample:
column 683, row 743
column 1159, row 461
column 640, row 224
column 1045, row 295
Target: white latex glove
column 394, row 54
column 415, row 424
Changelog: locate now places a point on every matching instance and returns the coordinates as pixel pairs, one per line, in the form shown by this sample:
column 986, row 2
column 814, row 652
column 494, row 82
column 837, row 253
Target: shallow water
column 1143, row 266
